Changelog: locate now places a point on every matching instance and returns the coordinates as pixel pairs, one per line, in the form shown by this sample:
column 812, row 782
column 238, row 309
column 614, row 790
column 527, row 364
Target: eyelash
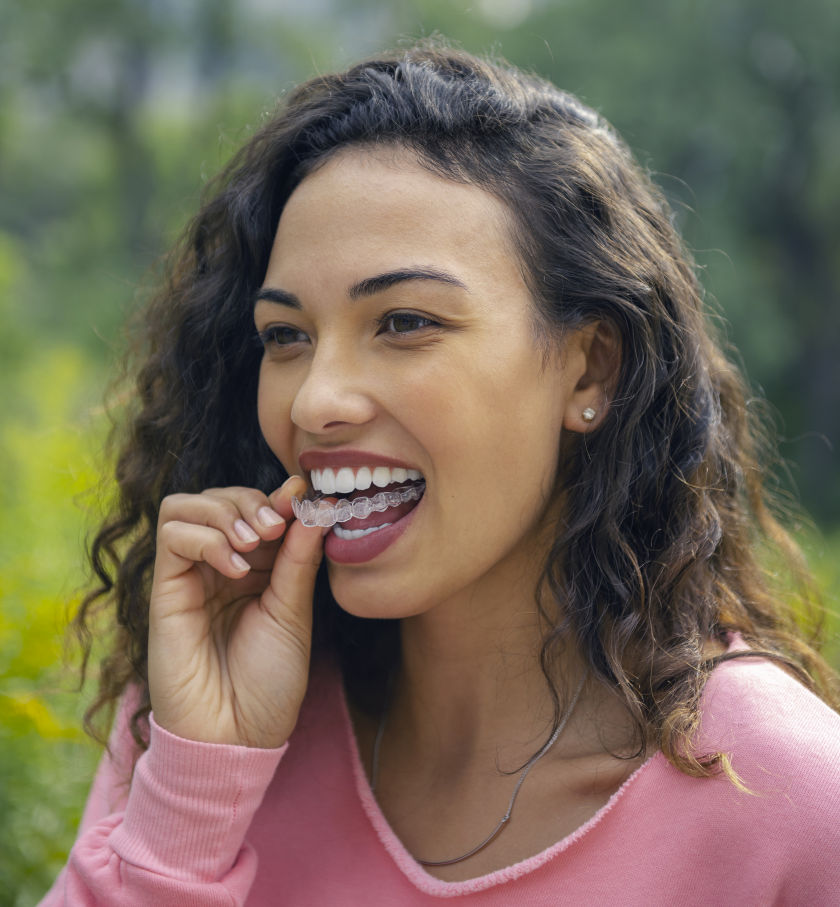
column 391, row 317
column 269, row 336
column 386, row 325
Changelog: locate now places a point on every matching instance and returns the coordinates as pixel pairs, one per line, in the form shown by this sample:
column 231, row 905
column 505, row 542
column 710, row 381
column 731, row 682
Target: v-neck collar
column 416, row 873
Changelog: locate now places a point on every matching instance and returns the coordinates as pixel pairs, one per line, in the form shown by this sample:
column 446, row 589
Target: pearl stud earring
column 588, row 415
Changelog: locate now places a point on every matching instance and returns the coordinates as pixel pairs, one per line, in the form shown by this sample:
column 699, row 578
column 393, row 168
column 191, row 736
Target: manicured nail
column 269, row 517
column 245, row 532
column 239, row 562
column 292, row 482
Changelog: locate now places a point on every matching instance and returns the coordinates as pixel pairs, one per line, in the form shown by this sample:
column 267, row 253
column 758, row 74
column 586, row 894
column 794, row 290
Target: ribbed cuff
column 190, row 805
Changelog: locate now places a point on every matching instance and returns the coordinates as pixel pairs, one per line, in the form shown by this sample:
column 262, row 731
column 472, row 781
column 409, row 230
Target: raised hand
column 230, row 619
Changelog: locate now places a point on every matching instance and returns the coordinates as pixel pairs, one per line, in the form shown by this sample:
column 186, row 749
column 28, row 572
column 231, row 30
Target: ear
column 597, row 353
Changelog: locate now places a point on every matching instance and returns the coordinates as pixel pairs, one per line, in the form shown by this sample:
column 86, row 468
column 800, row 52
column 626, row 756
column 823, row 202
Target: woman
column 482, row 371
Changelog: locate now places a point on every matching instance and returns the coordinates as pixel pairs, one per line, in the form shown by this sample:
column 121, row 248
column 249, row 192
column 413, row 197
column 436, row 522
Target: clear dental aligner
column 318, row 512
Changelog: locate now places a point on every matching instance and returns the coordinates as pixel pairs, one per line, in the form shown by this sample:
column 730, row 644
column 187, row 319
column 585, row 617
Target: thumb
column 289, row 595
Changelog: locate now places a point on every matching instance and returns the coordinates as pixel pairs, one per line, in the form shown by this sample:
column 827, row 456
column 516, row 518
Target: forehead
column 369, row 211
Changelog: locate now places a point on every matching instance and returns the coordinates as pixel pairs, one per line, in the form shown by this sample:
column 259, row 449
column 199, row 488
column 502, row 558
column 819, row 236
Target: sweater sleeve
column 177, row 834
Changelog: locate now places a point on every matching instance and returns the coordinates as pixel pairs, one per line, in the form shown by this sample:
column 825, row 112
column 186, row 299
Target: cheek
column 273, row 413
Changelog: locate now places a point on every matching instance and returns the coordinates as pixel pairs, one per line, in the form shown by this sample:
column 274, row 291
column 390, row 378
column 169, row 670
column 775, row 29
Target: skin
column 348, row 381
column 230, row 615
column 445, row 376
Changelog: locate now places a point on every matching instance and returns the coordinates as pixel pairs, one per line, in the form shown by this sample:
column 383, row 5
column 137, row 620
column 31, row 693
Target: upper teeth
column 345, row 480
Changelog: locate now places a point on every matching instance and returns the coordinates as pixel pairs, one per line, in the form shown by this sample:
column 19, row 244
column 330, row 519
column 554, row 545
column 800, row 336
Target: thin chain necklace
column 506, row 817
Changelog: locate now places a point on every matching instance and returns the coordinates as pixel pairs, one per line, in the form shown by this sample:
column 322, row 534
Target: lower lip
column 366, row 548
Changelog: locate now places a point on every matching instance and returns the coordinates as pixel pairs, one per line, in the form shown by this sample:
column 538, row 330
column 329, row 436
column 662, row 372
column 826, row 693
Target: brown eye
column 282, row 335
column 405, row 323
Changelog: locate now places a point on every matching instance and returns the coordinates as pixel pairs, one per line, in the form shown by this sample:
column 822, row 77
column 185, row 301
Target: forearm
column 180, row 838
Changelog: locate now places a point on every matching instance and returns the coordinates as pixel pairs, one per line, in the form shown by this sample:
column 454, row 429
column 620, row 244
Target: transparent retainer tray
column 313, row 510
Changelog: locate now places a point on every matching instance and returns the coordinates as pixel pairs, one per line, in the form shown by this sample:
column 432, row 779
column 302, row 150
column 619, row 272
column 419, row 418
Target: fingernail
column 269, row 517
column 245, row 532
column 239, row 562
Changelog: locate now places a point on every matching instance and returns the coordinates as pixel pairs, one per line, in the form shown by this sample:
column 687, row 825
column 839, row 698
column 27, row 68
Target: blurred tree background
column 114, row 112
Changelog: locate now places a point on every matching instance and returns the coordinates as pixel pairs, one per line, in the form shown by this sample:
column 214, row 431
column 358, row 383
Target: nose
column 336, row 392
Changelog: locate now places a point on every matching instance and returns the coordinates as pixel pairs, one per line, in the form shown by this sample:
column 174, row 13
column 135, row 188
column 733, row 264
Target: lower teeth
column 343, row 533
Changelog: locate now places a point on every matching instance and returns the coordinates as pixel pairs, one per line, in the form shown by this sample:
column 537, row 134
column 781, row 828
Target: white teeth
column 381, row 476
column 328, row 481
column 345, row 479
column 343, row 533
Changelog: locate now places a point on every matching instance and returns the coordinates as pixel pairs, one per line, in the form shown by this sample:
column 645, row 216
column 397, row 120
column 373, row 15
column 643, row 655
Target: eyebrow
column 372, row 285
column 280, row 297
column 367, row 287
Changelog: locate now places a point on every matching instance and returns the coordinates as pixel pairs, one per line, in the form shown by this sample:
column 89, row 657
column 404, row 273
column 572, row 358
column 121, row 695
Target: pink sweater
column 207, row 825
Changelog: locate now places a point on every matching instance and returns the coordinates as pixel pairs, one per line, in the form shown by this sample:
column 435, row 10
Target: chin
column 373, row 600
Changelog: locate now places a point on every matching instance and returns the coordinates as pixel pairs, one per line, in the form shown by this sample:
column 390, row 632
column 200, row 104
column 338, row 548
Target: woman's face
column 399, row 336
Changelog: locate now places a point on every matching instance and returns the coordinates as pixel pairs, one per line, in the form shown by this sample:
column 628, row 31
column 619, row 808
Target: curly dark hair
column 668, row 542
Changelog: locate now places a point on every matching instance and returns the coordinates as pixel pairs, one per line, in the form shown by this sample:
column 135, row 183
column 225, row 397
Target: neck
column 470, row 685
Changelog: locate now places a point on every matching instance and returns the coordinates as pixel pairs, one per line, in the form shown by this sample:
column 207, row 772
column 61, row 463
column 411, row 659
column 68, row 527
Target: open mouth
column 371, row 498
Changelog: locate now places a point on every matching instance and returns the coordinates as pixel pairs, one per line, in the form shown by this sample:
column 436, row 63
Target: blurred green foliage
column 113, row 113
column 45, row 760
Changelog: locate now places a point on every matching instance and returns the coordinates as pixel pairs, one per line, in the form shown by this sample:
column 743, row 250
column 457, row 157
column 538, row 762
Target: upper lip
column 324, row 459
